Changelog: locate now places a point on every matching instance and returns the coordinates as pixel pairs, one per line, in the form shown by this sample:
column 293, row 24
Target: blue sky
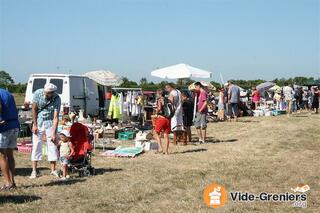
column 242, row 39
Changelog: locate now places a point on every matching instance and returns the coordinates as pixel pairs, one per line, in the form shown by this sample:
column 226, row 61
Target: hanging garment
column 177, row 119
column 121, row 104
column 117, row 113
column 134, row 110
column 129, row 103
column 140, row 104
column 114, row 107
column 111, row 106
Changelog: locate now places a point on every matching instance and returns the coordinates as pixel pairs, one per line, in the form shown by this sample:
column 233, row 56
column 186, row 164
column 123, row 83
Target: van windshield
column 38, row 83
column 58, row 83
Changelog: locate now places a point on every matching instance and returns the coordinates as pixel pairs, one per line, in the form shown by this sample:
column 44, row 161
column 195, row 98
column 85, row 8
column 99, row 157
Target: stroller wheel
column 86, row 172
column 92, row 171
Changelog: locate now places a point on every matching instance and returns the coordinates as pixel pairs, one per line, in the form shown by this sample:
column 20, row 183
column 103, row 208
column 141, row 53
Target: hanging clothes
column 177, row 119
column 121, row 104
column 111, row 104
column 129, row 103
column 134, row 111
column 140, row 103
column 114, row 107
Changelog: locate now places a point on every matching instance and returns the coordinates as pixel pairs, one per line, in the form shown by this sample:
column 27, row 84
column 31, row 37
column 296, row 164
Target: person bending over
column 162, row 123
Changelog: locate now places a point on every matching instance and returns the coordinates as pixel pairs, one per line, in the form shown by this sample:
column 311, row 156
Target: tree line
column 7, row 82
column 245, row 84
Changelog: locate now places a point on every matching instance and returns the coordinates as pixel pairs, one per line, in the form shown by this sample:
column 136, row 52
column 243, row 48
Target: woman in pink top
column 255, row 97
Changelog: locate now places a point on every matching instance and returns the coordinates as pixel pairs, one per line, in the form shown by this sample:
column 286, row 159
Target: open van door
column 92, row 96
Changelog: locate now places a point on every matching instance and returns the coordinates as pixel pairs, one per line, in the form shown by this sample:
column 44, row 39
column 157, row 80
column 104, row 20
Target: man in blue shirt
column 45, row 114
column 9, row 129
column 234, row 99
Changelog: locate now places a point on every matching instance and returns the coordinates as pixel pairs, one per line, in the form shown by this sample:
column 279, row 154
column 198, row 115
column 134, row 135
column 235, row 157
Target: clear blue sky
column 242, row 39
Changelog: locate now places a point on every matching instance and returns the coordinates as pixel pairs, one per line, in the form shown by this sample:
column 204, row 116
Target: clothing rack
column 120, row 91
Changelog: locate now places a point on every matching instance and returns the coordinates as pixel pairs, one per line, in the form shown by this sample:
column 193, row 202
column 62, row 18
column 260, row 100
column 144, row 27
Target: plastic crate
column 126, row 136
column 278, row 112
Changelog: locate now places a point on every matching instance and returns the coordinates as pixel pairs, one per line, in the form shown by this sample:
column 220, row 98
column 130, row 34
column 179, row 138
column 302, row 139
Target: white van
column 76, row 91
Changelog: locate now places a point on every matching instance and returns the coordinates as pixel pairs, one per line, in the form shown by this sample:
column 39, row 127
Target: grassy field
column 271, row 154
column 19, row 98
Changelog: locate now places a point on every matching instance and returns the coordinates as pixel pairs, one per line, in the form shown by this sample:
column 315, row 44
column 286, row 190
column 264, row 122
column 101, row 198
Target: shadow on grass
column 101, row 171
column 27, row 171
column 191, row 151
column 56, row 183
column 195, row 140
column 215, row 140
column 100, row 149
column 247, row 121
column 18, row 199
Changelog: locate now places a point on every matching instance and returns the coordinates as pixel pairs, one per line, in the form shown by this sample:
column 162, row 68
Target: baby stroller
column 81, row 159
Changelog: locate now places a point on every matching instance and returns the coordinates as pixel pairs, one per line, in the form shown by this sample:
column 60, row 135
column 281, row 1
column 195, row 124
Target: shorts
column 37, row 140
column 234, row 109
column 63, row 160
column 8, row 139
column 187, row 121
column 200, row 121
column 162, row 124
column 227, row 110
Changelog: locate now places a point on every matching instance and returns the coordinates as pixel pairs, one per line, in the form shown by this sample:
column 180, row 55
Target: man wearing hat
column 45, row 115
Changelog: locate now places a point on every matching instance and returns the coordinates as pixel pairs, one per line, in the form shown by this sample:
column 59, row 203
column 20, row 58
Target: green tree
column 143, row 81
column 184, row 82
column 5, row 79
column 162, row 84
column 127, row 83
column 300, row 80
column 216, row 85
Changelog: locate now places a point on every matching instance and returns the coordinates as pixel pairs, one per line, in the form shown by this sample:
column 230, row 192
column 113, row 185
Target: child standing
column 221, row 104
column 187, row 105
column 66, row 151
column 255, row 97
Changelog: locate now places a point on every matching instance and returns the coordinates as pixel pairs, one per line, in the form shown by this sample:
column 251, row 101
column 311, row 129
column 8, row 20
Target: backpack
column 168, row 109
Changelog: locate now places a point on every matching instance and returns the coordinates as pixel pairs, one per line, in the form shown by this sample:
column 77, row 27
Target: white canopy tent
column 104, row 77
column 181, row 71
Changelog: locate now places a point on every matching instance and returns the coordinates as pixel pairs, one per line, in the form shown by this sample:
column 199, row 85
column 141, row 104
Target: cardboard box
column 147, row 145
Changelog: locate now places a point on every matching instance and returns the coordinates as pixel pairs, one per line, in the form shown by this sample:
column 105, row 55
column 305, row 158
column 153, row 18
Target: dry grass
column 19, row 98
column 270, row 154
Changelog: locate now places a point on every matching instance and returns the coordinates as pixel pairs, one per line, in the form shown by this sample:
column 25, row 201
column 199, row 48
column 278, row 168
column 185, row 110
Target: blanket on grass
column 123, row 152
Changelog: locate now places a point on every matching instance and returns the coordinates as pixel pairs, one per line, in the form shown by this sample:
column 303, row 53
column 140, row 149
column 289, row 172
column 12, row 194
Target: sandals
column 159, row 152
column 8, row 188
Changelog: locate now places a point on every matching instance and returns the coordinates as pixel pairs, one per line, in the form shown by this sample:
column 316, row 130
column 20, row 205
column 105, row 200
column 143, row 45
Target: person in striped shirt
column 45, row 114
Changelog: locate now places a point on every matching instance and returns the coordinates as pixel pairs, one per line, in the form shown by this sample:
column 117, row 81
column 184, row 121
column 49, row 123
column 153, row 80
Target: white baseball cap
column 65, row 133
column 49, row 87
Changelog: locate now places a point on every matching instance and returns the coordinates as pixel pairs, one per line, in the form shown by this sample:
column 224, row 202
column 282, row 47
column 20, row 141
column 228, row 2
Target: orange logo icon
column 215, row 195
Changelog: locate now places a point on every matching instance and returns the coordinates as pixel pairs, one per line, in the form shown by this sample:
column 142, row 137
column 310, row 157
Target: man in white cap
column 45, row 115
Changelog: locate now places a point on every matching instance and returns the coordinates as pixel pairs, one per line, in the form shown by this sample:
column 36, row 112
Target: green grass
column 271, row 154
